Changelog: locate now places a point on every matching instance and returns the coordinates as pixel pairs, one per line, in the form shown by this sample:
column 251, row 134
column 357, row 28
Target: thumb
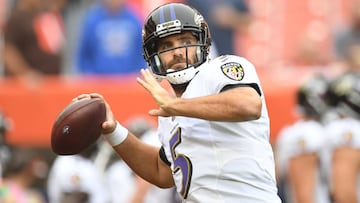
column 154, row 112
column 159, row 112
column 108, row 126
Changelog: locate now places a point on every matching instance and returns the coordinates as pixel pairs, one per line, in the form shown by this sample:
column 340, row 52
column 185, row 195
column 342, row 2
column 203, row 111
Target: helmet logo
column 343, row 87
column 198, row 19
column 347, row 138
column 168, row 26
column 301, row 144
column 233, row 71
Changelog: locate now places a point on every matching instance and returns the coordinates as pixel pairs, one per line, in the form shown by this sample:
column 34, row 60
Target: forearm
column 302, row 171
column 144, row 160
column 240, row 104
column 344, row 168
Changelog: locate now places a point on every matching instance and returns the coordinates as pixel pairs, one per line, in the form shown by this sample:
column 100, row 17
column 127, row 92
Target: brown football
column 78, row 126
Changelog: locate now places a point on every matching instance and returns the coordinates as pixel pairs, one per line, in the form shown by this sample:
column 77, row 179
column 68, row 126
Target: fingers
column 81, row 96
column 88, row 96
column 108, row 126
column 110, row 122
column 148, row 76
column 154, row 112
column 96, row 95
column 142, row 83
column 146, row 82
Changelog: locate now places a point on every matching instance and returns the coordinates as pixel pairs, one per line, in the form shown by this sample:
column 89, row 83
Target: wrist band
column 117, row 136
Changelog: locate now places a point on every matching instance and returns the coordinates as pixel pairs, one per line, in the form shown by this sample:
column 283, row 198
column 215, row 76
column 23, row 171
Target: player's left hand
column 161, row 96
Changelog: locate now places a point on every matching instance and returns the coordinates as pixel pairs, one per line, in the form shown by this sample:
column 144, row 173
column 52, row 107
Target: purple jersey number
column 181, row 162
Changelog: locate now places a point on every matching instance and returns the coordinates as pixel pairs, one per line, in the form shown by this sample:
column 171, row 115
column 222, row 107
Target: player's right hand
column 109, row 124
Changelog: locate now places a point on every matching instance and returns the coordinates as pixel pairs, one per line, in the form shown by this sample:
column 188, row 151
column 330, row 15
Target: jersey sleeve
column 282, row 149
column 231, row 70
column 307, row 138
column 300, row 138
column 344, row 132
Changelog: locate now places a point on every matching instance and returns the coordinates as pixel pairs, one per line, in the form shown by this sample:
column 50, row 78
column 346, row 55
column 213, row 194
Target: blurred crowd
column 95, row 37
column 71, row 37
column 318, row 156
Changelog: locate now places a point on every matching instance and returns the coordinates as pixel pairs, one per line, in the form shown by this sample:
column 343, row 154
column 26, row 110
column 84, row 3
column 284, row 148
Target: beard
column 179, row 88
column 178, row 63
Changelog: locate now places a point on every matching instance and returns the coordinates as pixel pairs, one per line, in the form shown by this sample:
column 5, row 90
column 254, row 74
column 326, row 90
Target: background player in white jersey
column 301, row 153
column 76, row 179
column 344, row 133
column 214, row 131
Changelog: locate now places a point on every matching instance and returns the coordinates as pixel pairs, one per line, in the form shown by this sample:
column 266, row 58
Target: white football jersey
column 120, row 181
column 345, row 133
column 304, row 137
column 221, row 161
column 75, row 173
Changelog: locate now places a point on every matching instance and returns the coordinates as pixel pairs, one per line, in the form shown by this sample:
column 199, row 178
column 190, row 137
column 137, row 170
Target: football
column 78, row 126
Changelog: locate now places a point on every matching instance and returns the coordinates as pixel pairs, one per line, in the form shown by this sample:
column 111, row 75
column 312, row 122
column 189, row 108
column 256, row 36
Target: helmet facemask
column 179, row 76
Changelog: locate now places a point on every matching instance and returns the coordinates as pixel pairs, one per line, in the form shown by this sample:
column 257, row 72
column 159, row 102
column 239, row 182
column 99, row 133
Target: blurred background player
column 4, row 148
column 76, row 179
column 26, row 168
column 110, row 40
column 302, row 159
column 344, row 94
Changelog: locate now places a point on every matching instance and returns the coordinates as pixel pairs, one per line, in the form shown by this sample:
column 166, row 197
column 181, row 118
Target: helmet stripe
column 162, row 15
column 172, row 12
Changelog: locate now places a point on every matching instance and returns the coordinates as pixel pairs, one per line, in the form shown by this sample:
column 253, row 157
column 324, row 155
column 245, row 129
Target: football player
column 301, row 153
column 344, row 94
column 214, row 131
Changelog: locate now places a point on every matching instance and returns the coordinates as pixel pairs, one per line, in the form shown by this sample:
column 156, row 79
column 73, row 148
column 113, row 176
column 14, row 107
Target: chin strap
column 181, row 76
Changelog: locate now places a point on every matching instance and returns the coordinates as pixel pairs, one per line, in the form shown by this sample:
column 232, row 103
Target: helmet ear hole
column 155, row 64
column 198, row 54
column 157, row 61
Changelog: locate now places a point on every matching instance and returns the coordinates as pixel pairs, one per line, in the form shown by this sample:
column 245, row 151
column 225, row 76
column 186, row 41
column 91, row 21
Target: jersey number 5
column 181, row 162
